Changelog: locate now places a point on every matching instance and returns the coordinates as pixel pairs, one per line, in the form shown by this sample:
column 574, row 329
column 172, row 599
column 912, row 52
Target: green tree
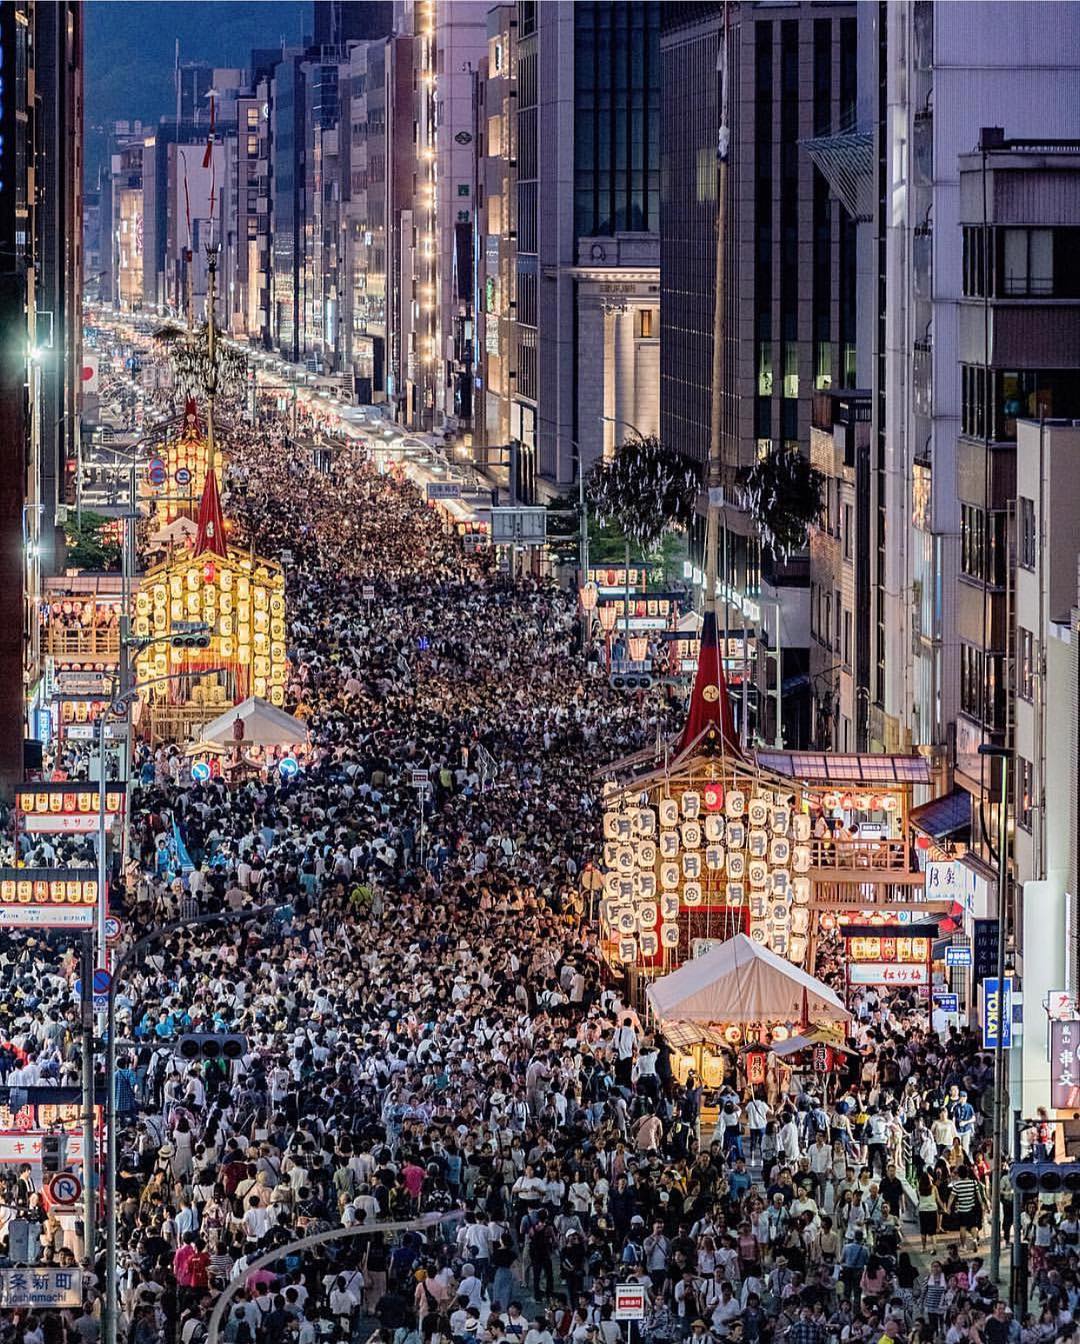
column 87, row 547
column 645, row 491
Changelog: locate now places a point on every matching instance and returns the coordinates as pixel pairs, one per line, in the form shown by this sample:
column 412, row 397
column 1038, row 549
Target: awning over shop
column 818, row 767
column 741, row 982
column 943, row 817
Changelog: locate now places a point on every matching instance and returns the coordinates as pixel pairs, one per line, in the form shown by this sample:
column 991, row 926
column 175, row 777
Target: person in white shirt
column 625, row 1045
column 757, row 1117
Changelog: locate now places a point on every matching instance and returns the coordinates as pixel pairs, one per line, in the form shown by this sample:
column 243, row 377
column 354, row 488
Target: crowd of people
column 431, row 1035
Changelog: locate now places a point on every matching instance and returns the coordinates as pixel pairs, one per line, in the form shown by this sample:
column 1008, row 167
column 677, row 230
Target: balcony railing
column 80, row 643
column 881, row 855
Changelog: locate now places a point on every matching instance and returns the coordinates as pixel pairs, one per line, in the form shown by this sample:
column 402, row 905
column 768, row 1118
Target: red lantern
column 922, row 842
column 714, row 797
column 755, row 1067
column 208, row 573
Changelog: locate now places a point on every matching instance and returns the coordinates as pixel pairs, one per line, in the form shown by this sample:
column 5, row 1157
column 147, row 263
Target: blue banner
column 996, row 1016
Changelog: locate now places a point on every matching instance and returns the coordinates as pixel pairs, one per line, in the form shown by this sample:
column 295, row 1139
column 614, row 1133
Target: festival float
column 240, row 600
column 188, row 456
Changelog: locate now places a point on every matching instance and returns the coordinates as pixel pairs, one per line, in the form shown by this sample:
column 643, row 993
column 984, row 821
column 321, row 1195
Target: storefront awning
column 945, row 816
column 818, row 767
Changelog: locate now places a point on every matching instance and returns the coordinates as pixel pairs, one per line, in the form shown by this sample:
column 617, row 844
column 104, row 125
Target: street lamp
column 109, row 1316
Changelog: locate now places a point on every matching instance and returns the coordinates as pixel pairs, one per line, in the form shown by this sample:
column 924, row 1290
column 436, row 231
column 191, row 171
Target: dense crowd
column 430, row 1029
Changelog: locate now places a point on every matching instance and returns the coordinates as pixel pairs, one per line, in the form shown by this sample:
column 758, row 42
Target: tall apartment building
column 789, row 287
column 1044, row 638
column 946, row 75
column 1018, row 349
column 40, row 298
column 120, row 213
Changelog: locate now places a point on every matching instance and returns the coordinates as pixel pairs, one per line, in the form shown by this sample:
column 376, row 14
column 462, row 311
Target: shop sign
column 25, row 1146
column 58, row 898
column 888, row 973
column 444, row 490
column 1065, row 1064
column 984, row 941
column 951, row 881
column 38, row 1286
column 958, row 955
column 996, row 1013
column 1060, row 1005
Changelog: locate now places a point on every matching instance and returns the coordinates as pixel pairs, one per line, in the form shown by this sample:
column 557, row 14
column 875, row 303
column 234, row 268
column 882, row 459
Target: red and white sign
column 65, row 823
column 629, row 1302
column 888, row 973
column 90, row 383
column 25, row 1146
column 64, row 1188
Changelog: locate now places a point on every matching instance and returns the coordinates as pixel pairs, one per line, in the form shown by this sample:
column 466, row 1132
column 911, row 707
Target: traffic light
column 1045, row 1178
column 210, row 1045
column 53, row 1152
column 190, row 635
column 630, row 681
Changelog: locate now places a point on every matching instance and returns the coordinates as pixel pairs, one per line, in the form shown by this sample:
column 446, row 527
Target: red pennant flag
column 211, row 532
column 209, row 154
column 710, row 703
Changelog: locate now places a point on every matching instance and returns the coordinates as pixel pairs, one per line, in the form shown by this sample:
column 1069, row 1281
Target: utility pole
column 712, row 479
column 997, row 1155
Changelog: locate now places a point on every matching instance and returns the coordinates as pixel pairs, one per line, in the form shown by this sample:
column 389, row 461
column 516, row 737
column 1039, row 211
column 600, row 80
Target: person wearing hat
column 700, row 1332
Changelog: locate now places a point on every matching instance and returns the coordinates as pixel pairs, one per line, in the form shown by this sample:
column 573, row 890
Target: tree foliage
column 645, row 490
column 783, row 495
column 87, row 547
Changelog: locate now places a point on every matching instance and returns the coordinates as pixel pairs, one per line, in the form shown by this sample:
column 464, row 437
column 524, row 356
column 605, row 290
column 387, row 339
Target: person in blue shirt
column 963, row 1117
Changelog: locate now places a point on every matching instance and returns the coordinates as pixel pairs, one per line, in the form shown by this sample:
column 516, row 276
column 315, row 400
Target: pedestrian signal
column 53, row 1152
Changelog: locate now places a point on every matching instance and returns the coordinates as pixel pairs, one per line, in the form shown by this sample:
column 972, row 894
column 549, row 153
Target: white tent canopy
column 740, row 982
column 264, row 725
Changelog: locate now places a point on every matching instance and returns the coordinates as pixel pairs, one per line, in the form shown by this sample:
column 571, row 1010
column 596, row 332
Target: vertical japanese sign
column 1065, row 1064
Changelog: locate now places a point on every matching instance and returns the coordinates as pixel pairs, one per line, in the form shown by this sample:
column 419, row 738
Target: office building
column 40, row 307
column 339, row 22
column 789, row 291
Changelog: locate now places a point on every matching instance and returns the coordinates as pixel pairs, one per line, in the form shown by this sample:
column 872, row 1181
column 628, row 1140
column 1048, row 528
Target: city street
column 539, row 647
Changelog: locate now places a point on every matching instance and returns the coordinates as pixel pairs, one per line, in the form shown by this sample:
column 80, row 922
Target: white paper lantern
column 800, row 890
column 781, row 820
column 800, row 858
column 736, row 866
column 778, row 914
column 650, row 943
column 627, row 950
column 736, row 835
column 670, row 876
column 780, row 882
column 714, row 827
column 626, row 886
column 669, row 905
column 800, row 827
column 735, row 803
column 627, row 921
column 646, row 885
column 714, row 858
column 778, row 942
column 669, row 844
column 611, row 883
column 757, row 812
column 616, row 826
column 691, row 834
column 757, row 843
column 691, row 864
column 759, row 905
column 669, row 812
column 669, row 935
column 643, row 821
column 691, row 893
column 648, row 916
column 758, row 872
column 800, row 919
column 735, row 895
column 780, row 851
column 759, row 932
column 691, row 804
column 624, row 859
column 646, row 854
column 611, row 850
column 797, row 949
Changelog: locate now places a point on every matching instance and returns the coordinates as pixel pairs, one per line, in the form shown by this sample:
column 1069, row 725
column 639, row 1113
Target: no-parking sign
column 64, row 1188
